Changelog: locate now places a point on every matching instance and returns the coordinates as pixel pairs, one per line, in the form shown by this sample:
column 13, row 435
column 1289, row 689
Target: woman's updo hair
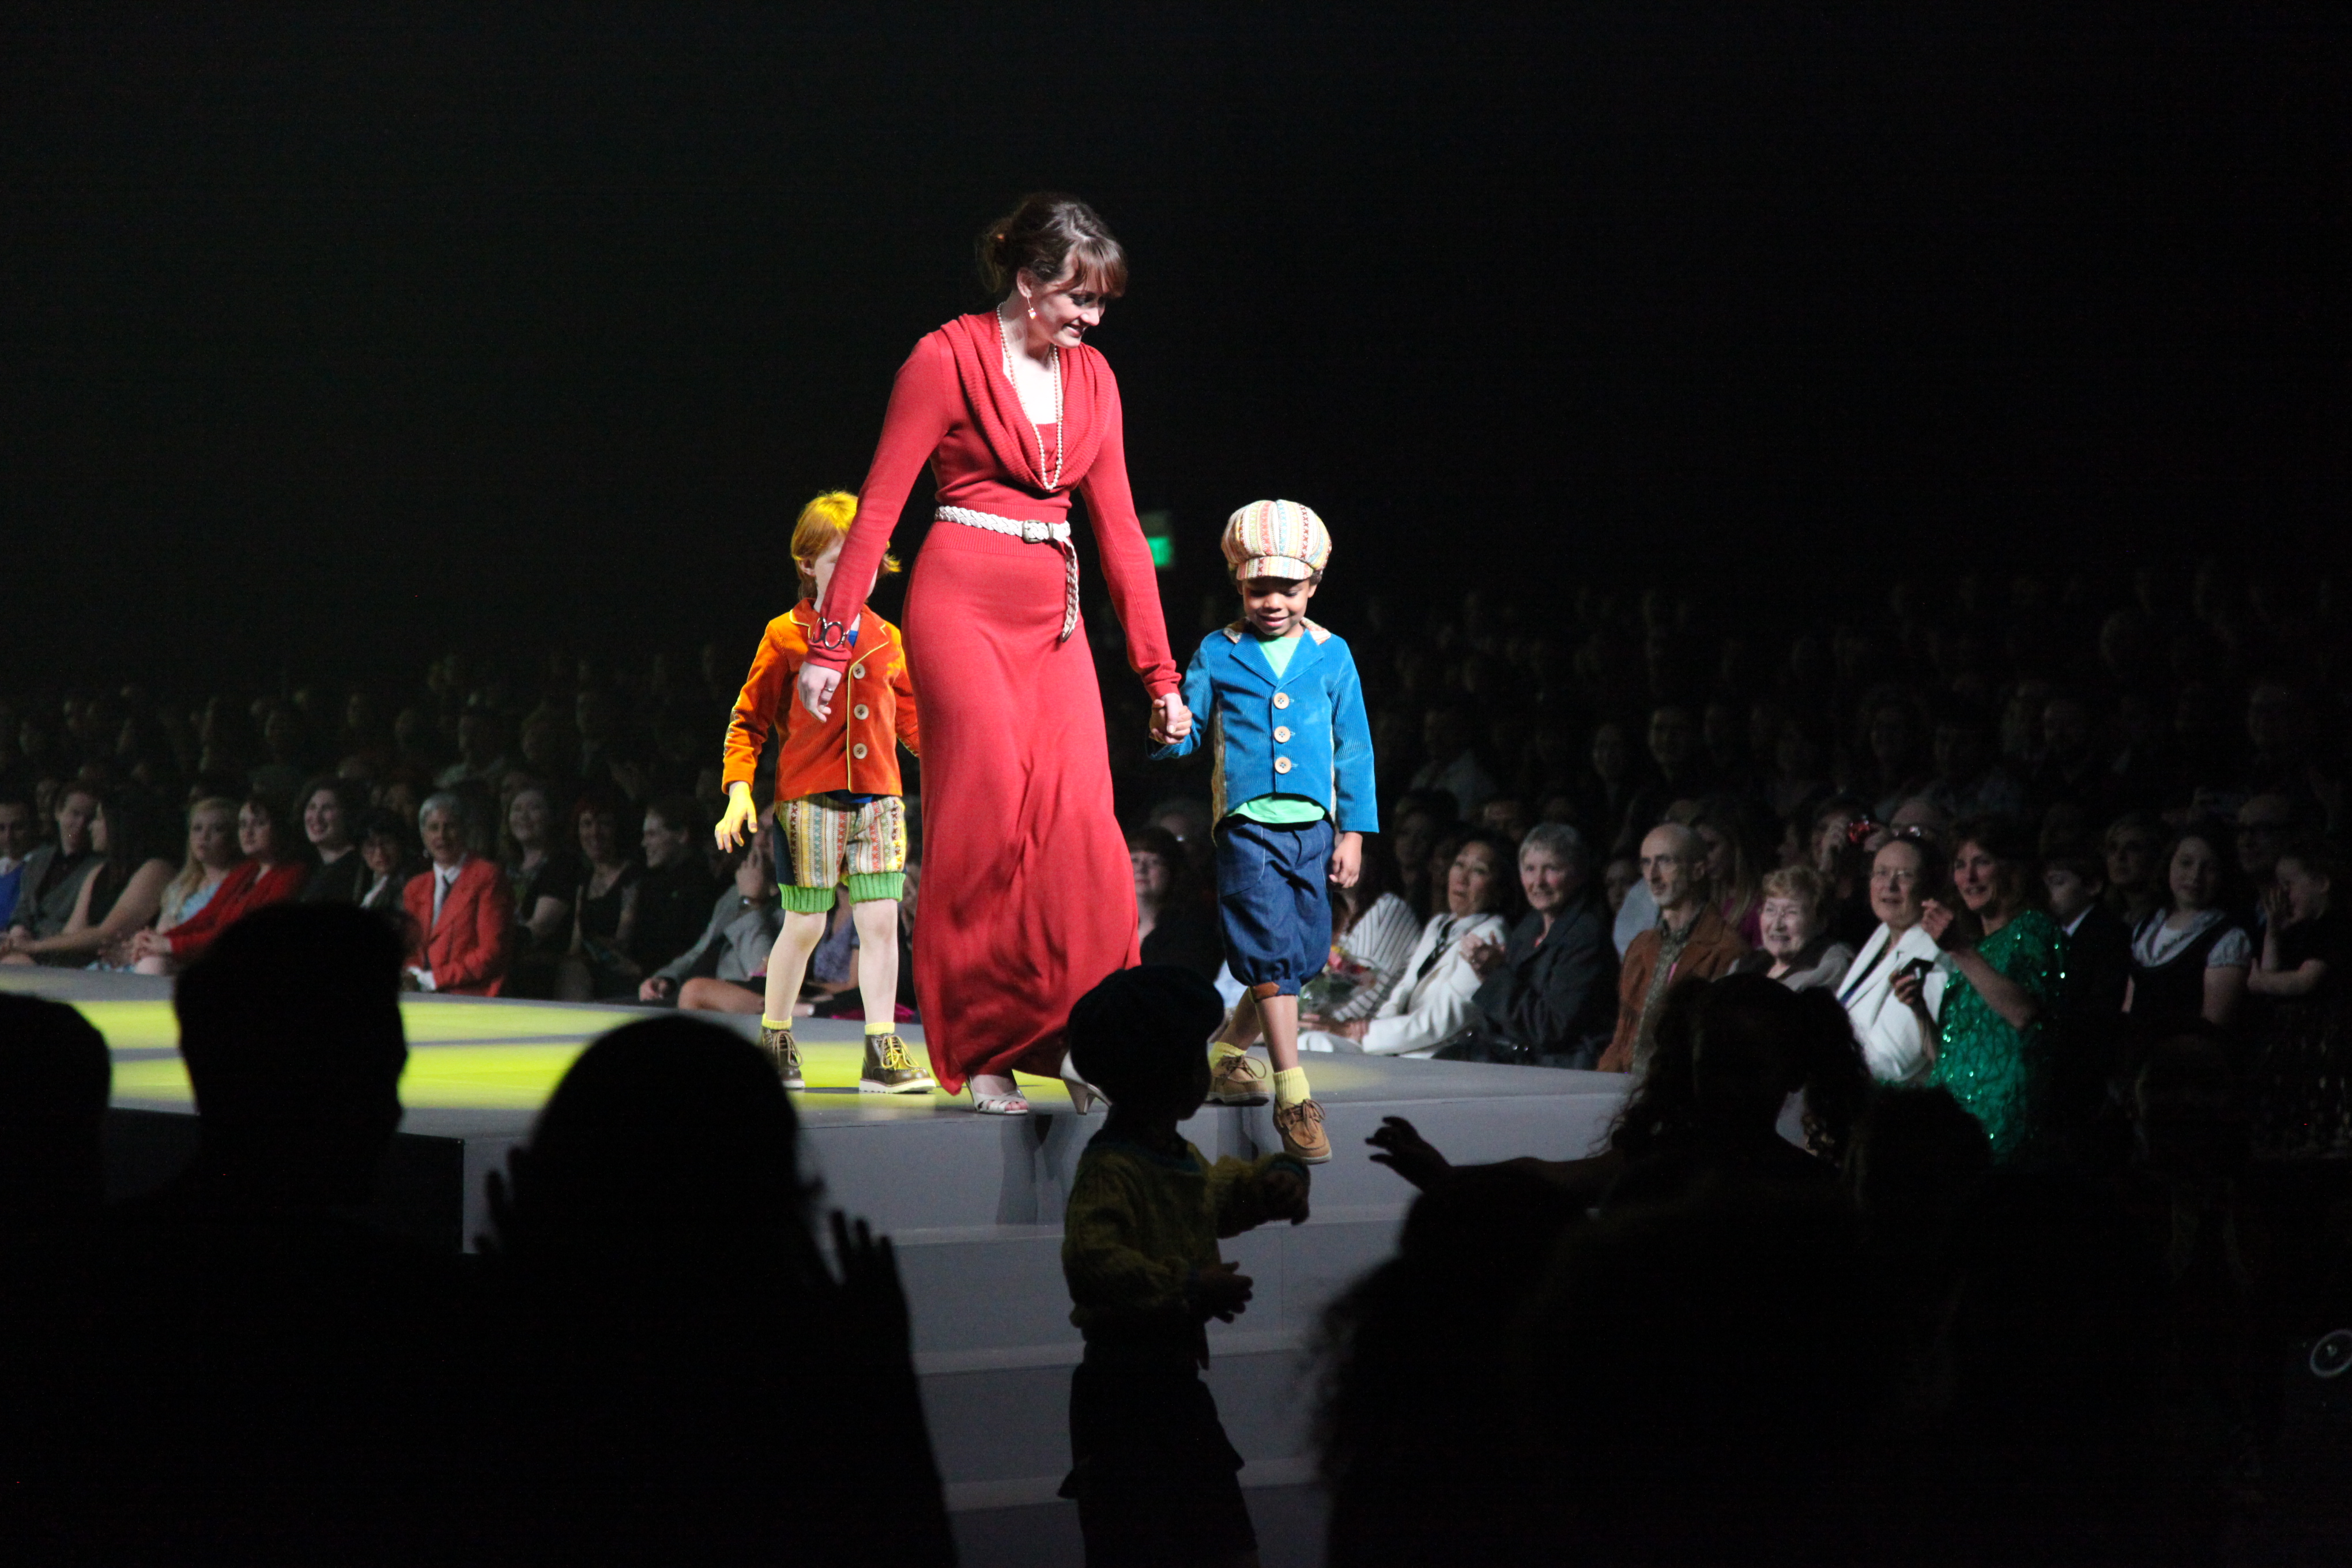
column 1047, row 234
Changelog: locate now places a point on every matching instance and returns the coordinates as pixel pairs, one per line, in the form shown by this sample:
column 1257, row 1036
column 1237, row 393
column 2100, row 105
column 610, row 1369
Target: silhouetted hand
column 498, row 1188
column 1223, row 1290
column 1285, row 1191
column 871, row 1294
column 1403, row 1150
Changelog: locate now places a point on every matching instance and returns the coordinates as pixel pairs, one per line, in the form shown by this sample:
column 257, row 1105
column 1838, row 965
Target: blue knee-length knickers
column 1272, row 900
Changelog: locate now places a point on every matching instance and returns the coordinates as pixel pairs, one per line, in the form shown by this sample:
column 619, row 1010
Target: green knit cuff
column 801, row 900
column 866, row 886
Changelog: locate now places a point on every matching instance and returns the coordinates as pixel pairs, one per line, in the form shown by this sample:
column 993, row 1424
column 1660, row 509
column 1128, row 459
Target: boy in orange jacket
column 837, row 803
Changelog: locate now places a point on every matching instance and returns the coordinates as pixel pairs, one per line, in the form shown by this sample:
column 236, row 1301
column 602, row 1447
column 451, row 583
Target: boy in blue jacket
column 1277, row 702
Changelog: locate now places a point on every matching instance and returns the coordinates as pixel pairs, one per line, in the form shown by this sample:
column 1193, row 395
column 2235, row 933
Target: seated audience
column 1373, row 931
column 1422, row 819
column 53, row 872
column 1618, row 879
column 1548, row 993
column 2299, row 1065
column 1902, row 878
column 2190, row 957
column 460, row 912
column 18, row 833
column 121, row 898
column 1452, row 763
column 604, row 915
column 1834, row 848
column 544, row 877
column 213, row 854
column 674, row 895
column 1432, row 1000
column 271, row 872
column 1988, row 1041
column 391, row 860
column 2134, row 851
column 1173, row 921
column 722, row 970
column 1797, row 950
column 1689, row 941
column 1731, row 865
column 2098, row 945
column 331, row 808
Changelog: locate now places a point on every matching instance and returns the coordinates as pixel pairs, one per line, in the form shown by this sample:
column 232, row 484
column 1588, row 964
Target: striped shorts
column 864, row 848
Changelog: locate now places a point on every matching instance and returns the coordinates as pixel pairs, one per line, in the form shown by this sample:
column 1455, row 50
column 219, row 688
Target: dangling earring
column 1033, row 312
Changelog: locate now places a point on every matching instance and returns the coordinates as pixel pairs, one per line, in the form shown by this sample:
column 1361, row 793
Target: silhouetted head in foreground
column 665, row 1133
column 55, row 1078
column 1142, row 1037
column 289, row 1025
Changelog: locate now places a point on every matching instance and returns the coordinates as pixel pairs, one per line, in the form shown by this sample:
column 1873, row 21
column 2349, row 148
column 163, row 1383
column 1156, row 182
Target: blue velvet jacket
column 1300, row 733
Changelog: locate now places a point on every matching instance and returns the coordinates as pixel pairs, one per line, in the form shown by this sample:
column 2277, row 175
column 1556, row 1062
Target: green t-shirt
column 1280, row 810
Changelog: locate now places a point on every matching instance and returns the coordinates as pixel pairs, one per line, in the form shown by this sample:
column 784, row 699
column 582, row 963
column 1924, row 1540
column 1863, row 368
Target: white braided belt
column 1056, row 534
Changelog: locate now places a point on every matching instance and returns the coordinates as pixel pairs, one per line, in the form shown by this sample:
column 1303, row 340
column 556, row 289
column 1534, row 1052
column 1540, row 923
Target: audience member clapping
column 1546, row 993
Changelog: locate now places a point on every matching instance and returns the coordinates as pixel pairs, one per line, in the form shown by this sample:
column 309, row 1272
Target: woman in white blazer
column 1888, row 1029
column 1431, row 1002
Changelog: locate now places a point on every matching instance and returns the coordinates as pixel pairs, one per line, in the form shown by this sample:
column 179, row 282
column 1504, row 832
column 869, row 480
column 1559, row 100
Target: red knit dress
column 1028, row 895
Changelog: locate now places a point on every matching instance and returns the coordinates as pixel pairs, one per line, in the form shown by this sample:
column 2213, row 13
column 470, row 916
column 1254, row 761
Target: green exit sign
column 1159, row 534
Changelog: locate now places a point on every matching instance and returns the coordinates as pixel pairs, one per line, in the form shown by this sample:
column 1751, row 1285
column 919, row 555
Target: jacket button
column 858, row 751
column 1282, row 764
column 1282, row 700
column 856, row 672
column 861, row 712
column 1281, row 732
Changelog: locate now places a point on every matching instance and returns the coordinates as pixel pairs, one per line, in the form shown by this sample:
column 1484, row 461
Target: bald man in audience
column 1690, row 940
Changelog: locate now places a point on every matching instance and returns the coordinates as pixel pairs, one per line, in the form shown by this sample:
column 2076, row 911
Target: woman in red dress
column 1028, row 893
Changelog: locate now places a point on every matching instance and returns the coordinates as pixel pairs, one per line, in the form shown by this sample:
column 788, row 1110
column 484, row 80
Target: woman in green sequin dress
column 1990, row 1045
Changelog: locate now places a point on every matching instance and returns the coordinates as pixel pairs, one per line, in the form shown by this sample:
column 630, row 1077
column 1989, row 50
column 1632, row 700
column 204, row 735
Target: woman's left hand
column 1171, row 720
column 1483, row 957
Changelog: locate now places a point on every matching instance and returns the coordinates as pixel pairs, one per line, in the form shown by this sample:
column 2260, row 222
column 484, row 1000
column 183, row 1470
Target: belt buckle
column 1035, row 533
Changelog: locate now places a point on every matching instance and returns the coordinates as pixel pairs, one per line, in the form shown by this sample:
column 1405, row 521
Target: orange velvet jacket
column 873, row 710
column 468, row 948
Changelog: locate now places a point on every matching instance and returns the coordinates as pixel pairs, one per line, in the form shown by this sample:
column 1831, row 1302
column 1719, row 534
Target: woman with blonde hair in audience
column 213, row 854
column 272, row 871
column 1798, row 949
column 121, row 896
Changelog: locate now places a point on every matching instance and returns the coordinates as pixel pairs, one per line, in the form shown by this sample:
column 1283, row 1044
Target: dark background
column 334, row 334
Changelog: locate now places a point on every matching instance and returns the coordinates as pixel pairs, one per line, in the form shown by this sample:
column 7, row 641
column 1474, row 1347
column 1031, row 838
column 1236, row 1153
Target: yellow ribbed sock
column 1220, row 1049
column 880, row 1026
column 768, row 1023
column 1290, row 1087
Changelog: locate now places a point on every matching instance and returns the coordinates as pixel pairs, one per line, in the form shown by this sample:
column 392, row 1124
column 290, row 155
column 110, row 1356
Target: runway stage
column 974, row 1203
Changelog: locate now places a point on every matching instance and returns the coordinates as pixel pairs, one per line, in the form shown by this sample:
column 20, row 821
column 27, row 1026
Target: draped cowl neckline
column 996, row 408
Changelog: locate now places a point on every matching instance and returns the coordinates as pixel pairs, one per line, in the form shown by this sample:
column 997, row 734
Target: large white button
column 862, row 711
column 1282, row 764
column 1282, row 700
column 857, row 672
column 1281, row 732
column 858, row 751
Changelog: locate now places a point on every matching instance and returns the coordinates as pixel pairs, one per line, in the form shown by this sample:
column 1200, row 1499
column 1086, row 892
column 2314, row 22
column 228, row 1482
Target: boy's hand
column 1223, row 1290
column 1171, row 720
column 1283, row 1191
column 817, row 685
column 735, row 823
column 1347, row 858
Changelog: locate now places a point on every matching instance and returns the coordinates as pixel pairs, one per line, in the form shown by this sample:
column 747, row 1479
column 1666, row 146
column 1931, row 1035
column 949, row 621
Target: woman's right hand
column 735, row 823
column 817, row 684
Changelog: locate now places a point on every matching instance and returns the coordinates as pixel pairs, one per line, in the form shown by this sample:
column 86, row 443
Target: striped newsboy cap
column 1276, row 539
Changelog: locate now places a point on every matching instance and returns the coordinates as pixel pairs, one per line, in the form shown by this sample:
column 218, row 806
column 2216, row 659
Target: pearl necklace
column 1054, row 364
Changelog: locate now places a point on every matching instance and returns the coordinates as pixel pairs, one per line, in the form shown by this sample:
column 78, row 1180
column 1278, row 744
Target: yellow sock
column 768, row 1023
column 874, row 1026
column 1220, row 1049
column 1290, row 1087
